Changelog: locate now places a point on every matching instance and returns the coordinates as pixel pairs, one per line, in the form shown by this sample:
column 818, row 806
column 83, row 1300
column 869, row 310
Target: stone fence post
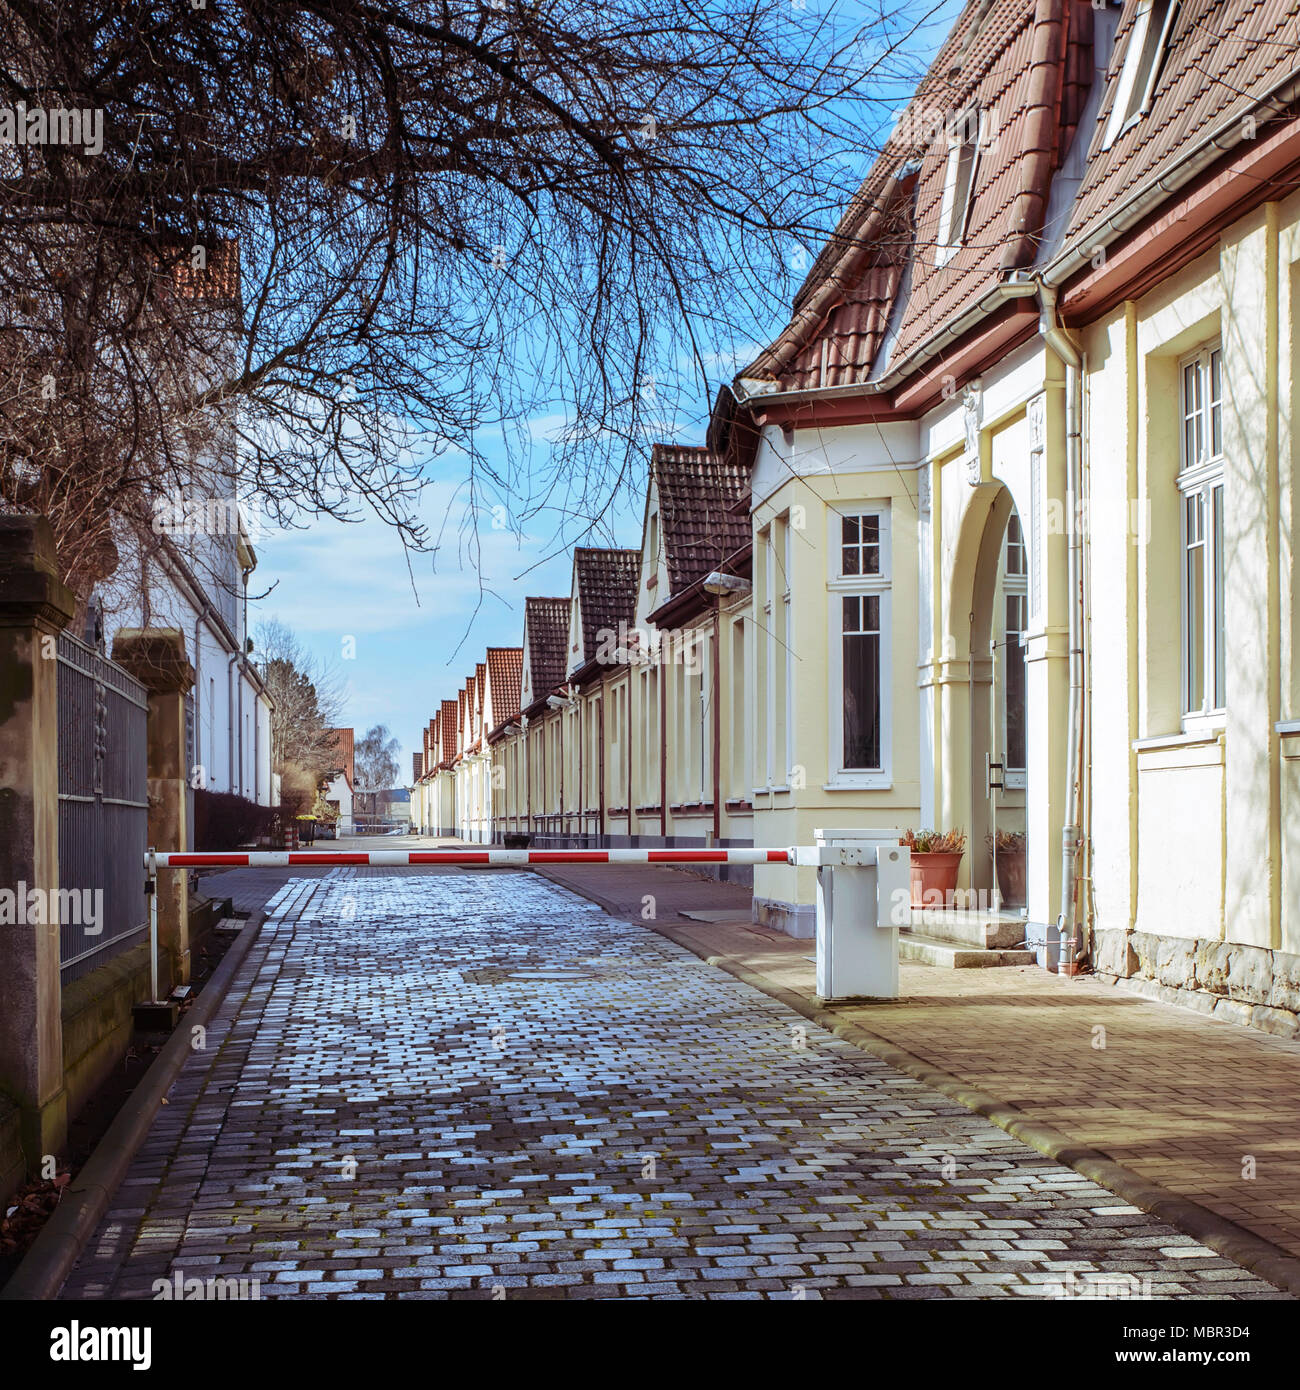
column 34, row 607
column 156, row 658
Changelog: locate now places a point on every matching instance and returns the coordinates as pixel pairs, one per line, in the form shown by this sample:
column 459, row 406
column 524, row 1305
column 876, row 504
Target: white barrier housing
column 863, row 897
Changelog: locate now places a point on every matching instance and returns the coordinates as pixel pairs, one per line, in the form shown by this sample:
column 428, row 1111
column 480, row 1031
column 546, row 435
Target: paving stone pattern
column 469, row 1085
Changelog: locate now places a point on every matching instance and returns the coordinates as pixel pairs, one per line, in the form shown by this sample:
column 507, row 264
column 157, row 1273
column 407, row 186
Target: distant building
column 339, row 792
column 395, row 806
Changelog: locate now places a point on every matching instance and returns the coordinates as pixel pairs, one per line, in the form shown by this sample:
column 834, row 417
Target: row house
column 692, row 622
column 542, row 696
column 600, row 604
column 1023, row 473
column 472, row 772
column 500, row 723
column 621, row 719
column 459, row 789
column 433, row 795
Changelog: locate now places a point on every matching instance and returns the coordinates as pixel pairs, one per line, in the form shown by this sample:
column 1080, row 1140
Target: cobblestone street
column 479, row 1084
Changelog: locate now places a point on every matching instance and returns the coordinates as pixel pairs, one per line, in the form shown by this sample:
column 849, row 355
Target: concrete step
column 948, row 955
column 986, row 930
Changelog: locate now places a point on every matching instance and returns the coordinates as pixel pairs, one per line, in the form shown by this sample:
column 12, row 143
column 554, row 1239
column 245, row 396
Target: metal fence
column 103, row 807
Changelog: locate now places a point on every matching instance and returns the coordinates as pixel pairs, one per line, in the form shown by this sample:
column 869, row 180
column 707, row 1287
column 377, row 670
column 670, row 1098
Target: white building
column 198, row 584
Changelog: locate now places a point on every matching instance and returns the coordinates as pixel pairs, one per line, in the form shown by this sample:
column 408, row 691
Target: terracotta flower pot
column 1011, row 877
column 934, row 878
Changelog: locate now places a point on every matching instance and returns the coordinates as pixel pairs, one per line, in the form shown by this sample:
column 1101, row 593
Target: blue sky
column 403, row 631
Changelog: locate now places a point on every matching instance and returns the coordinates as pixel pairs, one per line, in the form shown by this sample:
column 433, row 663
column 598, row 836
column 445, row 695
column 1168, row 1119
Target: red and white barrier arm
column 500, row 858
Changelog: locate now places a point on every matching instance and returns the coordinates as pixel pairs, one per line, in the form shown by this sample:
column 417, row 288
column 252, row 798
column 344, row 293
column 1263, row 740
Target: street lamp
column 726, row 585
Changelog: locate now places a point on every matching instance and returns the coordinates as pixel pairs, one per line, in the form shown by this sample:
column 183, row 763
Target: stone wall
column 12, row 1162
column 97, row 1021
column 1251, row 985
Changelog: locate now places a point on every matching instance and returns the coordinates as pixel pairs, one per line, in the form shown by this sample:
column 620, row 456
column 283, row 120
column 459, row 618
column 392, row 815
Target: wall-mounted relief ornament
column 1037, row 414
column 972, row 408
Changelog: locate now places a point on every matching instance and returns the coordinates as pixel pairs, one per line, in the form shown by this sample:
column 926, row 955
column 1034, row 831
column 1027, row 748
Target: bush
column 1008, row 841
column 225, row 820
column 934, row 841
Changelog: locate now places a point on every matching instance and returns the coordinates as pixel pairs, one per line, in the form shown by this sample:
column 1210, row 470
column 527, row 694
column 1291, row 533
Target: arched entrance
column 995, row 766
column 986, row 723
column 1003, row 690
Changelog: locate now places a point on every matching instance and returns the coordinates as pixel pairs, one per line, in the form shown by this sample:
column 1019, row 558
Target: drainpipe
column 239, row 687
column 198, row 689
column 1064, row 347
column 715, row 690
column 627, row 734
column 528, row 775
column 662, row 685
column 230, row 718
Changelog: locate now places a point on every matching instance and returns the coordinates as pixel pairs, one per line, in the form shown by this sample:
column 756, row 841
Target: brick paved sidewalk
column 1185, row 1102
column 456, row 1085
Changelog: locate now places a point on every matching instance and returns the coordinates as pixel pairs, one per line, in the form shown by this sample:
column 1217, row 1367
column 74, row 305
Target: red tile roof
column 606, row 582
column 449, row 729
column 1019, row 63
column 1029, row 64
column 697, row 492
column 546, row 633
column 345, row 742
column 1223, row 59
column 505, row 675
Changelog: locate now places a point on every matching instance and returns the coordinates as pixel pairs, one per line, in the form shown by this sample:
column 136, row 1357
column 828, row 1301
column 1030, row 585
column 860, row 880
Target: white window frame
column 1121, row 117
column 840, row 586
column 1201, row 474
column 953, row 221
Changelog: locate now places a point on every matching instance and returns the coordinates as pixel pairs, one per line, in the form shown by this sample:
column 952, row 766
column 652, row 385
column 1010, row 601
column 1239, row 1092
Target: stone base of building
column 1249, row 985
column 792, row 919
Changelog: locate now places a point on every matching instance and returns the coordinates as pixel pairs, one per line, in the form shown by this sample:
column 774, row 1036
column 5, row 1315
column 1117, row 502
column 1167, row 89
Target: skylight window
column 959, row 181
column 1143, row 60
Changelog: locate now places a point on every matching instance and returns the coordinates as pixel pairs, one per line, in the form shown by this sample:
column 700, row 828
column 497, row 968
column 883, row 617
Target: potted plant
column 1008, row 848
column 936, row 861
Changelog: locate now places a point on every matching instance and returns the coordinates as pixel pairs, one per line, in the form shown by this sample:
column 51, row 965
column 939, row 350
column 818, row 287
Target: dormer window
column 1148, row 44
column 959, row 181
